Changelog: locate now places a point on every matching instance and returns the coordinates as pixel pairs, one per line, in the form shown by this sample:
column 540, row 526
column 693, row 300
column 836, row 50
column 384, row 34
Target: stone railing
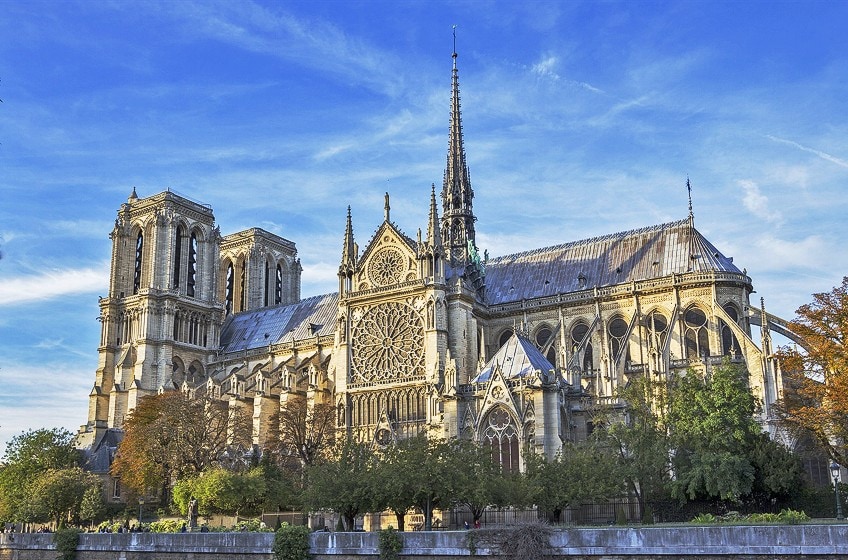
column 824, row 542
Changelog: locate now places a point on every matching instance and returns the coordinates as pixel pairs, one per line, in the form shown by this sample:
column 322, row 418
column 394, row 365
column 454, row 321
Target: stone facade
column 425, row 335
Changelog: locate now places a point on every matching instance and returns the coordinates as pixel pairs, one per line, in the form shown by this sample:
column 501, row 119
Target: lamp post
column 140, row 503
column 834, row 474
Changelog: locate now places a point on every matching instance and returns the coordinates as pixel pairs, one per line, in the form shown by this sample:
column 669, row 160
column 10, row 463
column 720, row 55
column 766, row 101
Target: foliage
column 579, row 473
column 28, row 456
column 167, row 526
column 390, row 544
column 471, row 542
column 639, row 440
column 172, row 435
column 712, row 427
column 786, row 517
column 57, row 494
column 253, row 525
column 816, row 400
column 92, row 507
column 478, row 481
column 66, row 541
column 222, row 491
column 343, row 483
column 291, row 543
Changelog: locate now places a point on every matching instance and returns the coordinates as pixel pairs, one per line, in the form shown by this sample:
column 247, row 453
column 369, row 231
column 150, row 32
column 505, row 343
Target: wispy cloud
column 545, row 68
column 757, row 203
column 54, row 283
column 824, row 155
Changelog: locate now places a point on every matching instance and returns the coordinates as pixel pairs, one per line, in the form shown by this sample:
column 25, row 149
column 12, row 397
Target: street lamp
column 834, row 474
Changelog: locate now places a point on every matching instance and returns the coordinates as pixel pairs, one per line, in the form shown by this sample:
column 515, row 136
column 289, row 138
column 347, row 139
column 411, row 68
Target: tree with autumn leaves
column 815, row 399
column 170, row 436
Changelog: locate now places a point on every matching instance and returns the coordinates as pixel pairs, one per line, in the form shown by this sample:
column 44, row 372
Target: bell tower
column 160, row 322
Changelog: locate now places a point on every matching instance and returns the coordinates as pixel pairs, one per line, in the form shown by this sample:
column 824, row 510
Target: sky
column 580, row 119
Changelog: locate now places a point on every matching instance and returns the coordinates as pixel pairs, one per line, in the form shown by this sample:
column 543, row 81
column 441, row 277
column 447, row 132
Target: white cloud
column 545, row 68
column 53, row 284
column 757, row 203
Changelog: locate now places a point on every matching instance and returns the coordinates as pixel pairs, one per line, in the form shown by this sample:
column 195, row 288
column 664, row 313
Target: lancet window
column 543, row 338
column 192, row 265
column 578, row 333
column 617, row 331
column 178, row 251
column 697, row 337
column 278, row 286
column 139, row 250
column 501, row 435
column 729, row 344
column 228, row 291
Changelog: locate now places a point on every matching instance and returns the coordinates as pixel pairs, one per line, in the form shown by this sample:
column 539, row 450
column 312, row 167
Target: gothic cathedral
column 425, row 335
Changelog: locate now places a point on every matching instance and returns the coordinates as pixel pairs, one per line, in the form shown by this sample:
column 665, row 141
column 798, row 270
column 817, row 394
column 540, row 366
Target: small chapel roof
column 310, row 317
column 516, row 359
column 639, row 254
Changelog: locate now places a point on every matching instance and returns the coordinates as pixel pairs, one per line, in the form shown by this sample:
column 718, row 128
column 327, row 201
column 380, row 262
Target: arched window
column 278, row 286
column 267, row 285
column 578, row 333
column 543, row 338
column 729, row 344
column 242, row 284
column 139, row 250
column 178, row 252
column 505, row 336
column 617, row 331
column 228, row 293
column 501, row 435
column 657, row 330
column 697, row 338
column 192, row 265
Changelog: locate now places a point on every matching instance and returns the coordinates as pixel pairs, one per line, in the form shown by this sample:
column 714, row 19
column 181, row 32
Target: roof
column 283, row 323
column 639, row 254
column 516, row 359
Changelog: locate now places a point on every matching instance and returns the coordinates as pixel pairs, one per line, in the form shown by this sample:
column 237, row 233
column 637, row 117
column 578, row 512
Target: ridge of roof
column 591, row 240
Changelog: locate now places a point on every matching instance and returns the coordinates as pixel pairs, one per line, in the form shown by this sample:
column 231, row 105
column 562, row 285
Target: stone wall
column 822, row 542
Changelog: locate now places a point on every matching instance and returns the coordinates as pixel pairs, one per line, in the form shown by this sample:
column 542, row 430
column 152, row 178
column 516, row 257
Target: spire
column 349, row 249
column 457, row 213
column 689, row 190
column 434, row 238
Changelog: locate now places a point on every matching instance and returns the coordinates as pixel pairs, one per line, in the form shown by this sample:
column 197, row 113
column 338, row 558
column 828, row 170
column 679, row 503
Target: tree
column 343, row 482
column 713, row 431
column 171, row 435
column 579, row 473
column 816, row 397
column 479, row 482
column 219, row 490
column 28, row 456
column 306, row 431
column 639, row 439
column 57, row 494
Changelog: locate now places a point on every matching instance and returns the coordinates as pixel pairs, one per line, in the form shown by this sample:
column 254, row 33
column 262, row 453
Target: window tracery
column 386, row 267
column 501, row 434
column 388, row 343
column 697, row 338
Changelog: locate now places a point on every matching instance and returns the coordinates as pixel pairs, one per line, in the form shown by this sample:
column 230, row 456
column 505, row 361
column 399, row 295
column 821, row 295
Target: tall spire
column 457, row 213
column 434, row 237
column 349, row 249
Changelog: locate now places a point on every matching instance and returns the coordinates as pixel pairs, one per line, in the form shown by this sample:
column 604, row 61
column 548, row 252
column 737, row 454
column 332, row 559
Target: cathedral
column 426, row 334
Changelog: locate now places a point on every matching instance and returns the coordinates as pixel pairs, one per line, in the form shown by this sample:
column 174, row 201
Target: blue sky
column 580, row 118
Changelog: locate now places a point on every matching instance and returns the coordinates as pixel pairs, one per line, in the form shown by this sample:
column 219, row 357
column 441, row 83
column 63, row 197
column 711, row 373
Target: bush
column 291, row 543
column 390, row 544
column 528, row 541
column 786, row 516
column 66, row 541
column 167, row 526
column 252, row 525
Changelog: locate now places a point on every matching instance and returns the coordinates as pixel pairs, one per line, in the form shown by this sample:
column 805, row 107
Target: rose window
column 388, row 344
column 386, row 267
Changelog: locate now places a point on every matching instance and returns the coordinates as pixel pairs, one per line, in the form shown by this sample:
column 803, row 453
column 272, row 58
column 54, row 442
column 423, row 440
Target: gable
column 390, row 259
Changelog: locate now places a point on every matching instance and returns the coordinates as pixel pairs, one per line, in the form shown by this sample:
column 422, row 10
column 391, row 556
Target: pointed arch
column 500, row 434
column 696, row 333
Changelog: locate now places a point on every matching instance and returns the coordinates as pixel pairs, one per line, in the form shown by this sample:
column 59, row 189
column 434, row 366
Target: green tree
column 219, row 490
column 28, row 456
column 92, row 508
column 713, row 431
column 579, row 473
column 639, row 440
column 478, row 482
column 343, row 482
column 57, row 494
